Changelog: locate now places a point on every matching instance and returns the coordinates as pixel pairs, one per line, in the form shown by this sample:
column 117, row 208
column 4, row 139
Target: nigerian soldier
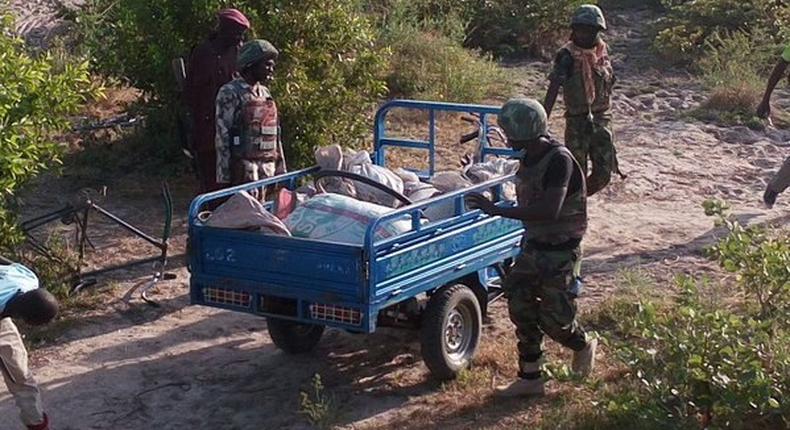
column 583, row 70
column 541, row 287
column 248, row 139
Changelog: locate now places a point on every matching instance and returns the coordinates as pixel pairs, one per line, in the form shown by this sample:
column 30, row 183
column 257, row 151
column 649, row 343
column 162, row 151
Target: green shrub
column 689, row 26
column 759, row 257
column 508, row 27
column 711, row 357
column 448, row 17
column 732, row 69
column 329, row 73
column 429, row 65
column 38, row 94
column 696, row 360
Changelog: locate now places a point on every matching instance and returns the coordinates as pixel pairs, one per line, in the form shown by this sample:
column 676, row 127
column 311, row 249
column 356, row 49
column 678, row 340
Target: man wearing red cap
column 211, row 65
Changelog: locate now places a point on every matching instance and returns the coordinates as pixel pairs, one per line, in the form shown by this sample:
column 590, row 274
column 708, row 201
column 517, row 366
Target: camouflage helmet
column 589, row 14
column 523, row 119
column 254, row 51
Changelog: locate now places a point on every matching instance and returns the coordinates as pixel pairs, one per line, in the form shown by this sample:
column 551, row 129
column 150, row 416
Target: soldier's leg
column 577, row 139
column 523, row 309
column 18, row 378
column 603, row 157
column 557, row 313
column 781, row 181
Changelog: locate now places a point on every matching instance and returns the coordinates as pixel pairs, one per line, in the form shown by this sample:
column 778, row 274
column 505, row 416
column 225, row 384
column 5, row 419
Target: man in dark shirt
column 552, row 204
column 211, row 65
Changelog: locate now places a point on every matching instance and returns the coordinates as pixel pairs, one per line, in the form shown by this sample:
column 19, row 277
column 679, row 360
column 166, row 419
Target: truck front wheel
column 451, row 329
column 293, row 337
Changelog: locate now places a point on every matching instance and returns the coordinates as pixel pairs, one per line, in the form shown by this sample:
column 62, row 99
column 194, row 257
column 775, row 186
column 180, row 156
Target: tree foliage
column 37, row 95
column 329, row 72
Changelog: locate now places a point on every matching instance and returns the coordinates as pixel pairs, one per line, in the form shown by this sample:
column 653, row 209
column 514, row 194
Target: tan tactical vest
column 255, row 133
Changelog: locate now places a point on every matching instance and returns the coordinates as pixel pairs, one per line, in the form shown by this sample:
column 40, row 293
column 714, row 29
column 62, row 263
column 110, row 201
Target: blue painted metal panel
column 321, row 267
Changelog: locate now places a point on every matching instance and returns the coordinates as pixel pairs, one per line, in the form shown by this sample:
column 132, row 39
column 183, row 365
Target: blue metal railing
column 290, row 179
column 382, row 140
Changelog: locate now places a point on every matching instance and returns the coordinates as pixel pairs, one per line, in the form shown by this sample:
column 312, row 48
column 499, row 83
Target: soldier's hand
column 467, row 160
column 478, row 201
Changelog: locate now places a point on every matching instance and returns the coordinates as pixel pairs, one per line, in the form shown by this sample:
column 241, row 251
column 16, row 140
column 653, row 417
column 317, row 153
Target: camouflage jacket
column 230, row 100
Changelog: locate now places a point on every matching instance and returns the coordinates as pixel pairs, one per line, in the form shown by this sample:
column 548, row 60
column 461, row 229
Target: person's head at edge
column 231, row 27
column 35, row 307
column 587, row 24
column 257, row 60
column 524, row 122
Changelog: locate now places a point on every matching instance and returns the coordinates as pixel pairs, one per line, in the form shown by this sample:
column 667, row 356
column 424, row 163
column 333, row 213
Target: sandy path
column 190, row 367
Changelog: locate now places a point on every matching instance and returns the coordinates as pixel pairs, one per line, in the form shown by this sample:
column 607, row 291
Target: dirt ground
column 181, row 366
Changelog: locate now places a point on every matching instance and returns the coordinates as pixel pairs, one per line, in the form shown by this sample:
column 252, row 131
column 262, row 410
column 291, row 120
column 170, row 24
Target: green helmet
column 589, row 14
column 523, row 119
column 254, row 51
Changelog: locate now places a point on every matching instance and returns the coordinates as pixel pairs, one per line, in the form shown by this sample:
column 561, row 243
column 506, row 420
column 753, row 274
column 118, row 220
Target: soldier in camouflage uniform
column 248, row 141
column 584, row 71
column 541, row 287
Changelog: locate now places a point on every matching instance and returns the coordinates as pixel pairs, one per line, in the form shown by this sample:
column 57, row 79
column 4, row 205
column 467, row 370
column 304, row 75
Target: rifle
column 183, row 118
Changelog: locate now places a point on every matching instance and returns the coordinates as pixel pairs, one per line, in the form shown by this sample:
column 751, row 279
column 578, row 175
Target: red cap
column 234, row 15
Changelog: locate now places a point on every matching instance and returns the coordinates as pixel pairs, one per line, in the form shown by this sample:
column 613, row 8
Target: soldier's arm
column 557, row 182
column 547, row 209
column 764, row 109
column 551, row 96
column 226, row 109
column 562, row 68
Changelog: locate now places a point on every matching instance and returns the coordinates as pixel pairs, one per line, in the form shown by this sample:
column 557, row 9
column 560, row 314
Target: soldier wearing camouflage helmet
column 248, row 140
column 541, row 287
column 583, row 69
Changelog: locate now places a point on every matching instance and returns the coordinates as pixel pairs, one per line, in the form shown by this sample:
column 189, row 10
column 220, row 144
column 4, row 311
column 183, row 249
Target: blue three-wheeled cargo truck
column 439, row 276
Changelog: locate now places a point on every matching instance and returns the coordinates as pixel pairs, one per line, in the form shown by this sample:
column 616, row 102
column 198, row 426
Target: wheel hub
column 457, row 332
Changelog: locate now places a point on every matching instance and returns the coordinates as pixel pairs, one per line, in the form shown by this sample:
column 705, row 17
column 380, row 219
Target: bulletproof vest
column 572, row 221
column 255, row 130
column 574, row 94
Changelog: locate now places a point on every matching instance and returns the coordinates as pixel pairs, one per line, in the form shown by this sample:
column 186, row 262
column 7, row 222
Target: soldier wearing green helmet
column 541, row 286
column 583, row 70
column 248, row 140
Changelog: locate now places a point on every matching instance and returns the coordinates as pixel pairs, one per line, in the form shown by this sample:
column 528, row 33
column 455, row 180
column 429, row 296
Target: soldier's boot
column 584, row 360
column 521, row 388
column 530, row 382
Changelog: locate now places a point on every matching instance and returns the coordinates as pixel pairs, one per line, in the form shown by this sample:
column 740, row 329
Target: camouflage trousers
column 593, row 143
column 781, row 181
column 540, row 301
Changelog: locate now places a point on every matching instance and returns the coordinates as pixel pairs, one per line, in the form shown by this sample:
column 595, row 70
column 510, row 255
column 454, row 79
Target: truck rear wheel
column 451, row 329
column 293, row 337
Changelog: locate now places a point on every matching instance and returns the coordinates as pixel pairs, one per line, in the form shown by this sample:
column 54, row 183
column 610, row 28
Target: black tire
column 451, row 330
column 293, row 337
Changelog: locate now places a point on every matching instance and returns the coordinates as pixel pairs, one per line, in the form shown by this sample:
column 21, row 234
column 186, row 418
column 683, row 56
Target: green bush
column 695, row 360
column 732, row 68
column 37, row 96
column 710, row 357
column 427, row 63
column 508, row 27
column 759, row 257
column 689, row 26
column 329, row 73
